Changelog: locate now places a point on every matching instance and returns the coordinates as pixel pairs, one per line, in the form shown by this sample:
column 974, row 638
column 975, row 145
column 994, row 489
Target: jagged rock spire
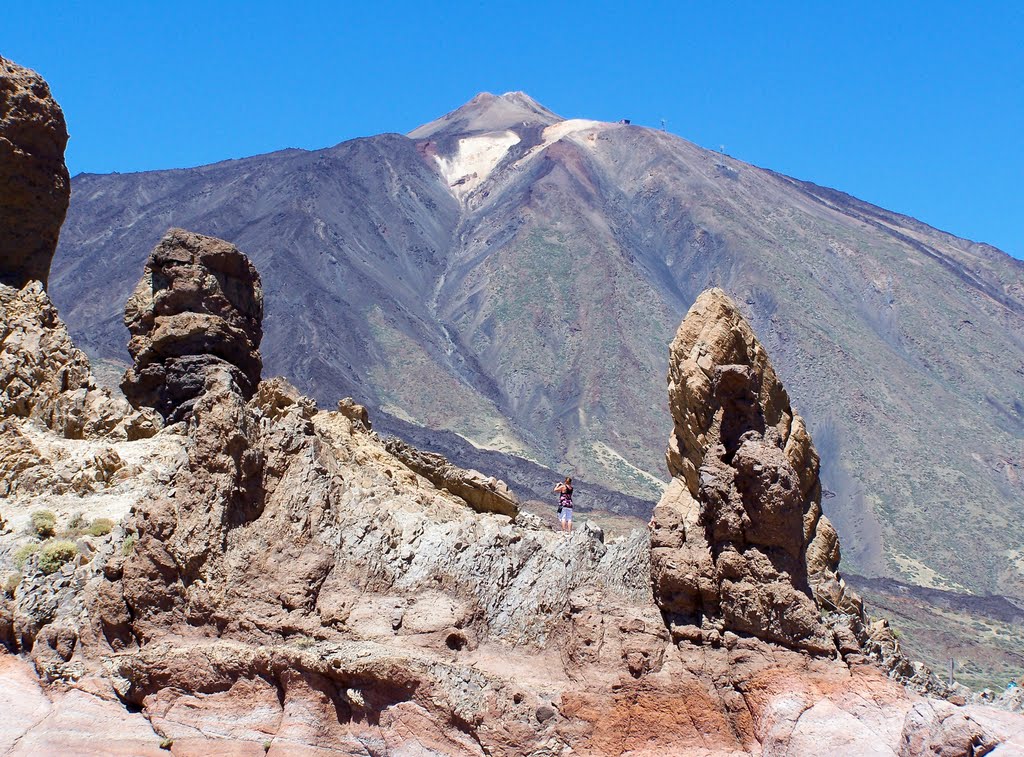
column 739, row 542
column 197, row 311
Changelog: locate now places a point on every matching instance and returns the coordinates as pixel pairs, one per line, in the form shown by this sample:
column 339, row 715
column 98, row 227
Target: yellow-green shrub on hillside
column 56, row 553
column 44, row 523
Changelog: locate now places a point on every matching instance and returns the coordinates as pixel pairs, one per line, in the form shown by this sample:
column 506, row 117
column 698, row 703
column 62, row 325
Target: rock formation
column 44, row 377
column 34, row 183
column 485, row 494
column 739, row 539
column 286, row 582
column 198, row 311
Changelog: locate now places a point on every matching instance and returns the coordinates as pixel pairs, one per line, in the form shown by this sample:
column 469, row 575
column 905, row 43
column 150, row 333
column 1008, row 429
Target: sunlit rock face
column 197, row 311
column 739, row 542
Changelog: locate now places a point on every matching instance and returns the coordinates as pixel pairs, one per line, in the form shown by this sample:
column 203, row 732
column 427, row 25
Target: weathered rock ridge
column 485, row 494
column 291, row 585
column 198, row 310
column 34, row 184
column 739, row 539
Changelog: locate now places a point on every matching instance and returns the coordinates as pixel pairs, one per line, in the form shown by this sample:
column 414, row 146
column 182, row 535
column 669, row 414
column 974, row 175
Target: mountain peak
column 488, row 112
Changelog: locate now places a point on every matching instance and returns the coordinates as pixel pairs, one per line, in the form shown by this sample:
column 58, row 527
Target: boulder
column 34, row 183
column 196, row 315
column 739, row 542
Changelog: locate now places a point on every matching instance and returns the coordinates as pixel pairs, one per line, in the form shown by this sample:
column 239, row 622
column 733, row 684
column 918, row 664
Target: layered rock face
column 739, row 542
column 197, row 312
column 34, row 184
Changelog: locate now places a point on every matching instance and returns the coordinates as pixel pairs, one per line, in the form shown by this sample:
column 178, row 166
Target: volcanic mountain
column 511, row 278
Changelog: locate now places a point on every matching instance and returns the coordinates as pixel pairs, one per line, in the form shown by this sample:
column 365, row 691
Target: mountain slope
column 530, row 271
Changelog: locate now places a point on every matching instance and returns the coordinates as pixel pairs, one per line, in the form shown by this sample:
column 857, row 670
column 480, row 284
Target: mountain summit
column 486, row 113
column 505, row 281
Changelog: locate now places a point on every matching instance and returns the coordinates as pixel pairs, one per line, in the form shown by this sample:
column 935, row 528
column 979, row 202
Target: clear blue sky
column 918, row 107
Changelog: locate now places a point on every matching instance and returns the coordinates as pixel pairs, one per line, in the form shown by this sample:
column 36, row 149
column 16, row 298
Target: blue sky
column 918, row 107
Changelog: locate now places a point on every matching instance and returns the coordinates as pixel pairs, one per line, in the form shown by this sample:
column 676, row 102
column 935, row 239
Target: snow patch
column 474, row 160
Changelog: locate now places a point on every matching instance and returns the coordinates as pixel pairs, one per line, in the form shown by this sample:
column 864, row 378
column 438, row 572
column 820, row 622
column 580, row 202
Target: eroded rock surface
column 485, row 494
column 197, row 312
column 34, row 183
column 44, row 377
column 739, row 542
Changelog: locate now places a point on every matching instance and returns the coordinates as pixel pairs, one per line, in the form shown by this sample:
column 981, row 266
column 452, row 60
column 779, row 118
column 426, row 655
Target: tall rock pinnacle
column 197, row 311
column 739, row 542
column 34, row 183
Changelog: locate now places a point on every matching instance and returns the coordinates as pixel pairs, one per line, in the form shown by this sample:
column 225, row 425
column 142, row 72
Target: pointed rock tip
column 713, row 299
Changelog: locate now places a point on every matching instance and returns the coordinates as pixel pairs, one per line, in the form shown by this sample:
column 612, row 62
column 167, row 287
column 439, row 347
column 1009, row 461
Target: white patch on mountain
column 474, row 160
column 580, row 130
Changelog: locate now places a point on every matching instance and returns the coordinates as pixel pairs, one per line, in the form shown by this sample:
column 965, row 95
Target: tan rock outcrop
column 197, row 312
column 739, row 542
column 44, row 377
column 34, row 183
column 485, row 494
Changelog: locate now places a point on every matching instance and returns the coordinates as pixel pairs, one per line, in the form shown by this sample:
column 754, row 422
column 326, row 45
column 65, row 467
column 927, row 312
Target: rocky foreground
column 225, row 568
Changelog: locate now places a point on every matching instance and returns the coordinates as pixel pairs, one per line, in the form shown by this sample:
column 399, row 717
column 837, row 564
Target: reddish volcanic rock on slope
column 739, row 538
column 34, row 183
column 197, row 309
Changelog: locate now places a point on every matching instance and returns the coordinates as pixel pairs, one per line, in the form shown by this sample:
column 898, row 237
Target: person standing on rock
column 564, row 490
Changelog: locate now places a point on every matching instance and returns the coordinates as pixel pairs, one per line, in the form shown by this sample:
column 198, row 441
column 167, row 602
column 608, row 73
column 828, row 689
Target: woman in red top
column 565, row 503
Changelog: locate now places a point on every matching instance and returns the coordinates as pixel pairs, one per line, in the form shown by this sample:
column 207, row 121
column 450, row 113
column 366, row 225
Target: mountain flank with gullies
column 262, row 576
column 505, row 281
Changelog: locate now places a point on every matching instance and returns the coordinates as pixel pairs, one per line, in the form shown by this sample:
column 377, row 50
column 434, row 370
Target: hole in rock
column 455, row 641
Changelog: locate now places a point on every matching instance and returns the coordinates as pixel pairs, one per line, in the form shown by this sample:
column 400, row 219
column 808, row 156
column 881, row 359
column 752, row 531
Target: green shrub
column 166, row 743
column 100, row 527
column 77, row 523
column 11, row 583
column 129, row 544
column 25, row 551
column 56, row 553
column 44, row 523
